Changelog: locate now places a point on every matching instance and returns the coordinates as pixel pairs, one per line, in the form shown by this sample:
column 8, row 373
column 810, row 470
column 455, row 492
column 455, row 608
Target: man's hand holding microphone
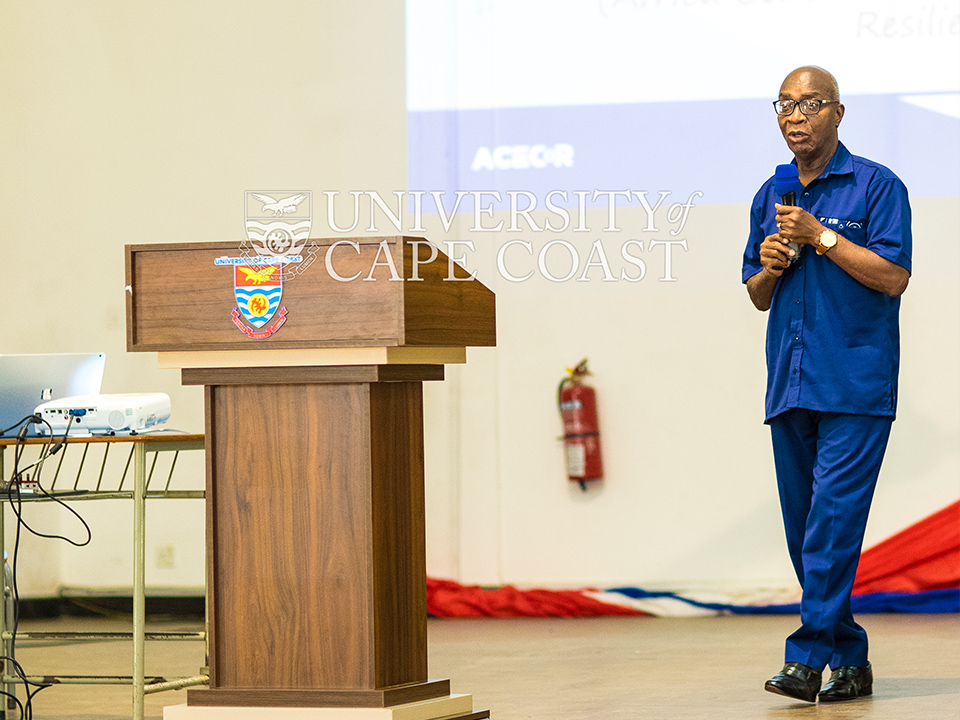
column 795, row 226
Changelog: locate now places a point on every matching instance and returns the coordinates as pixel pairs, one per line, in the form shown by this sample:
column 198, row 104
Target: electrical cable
column 26, row 709
column 49, row 449
column 18, row 505
column 21, row 424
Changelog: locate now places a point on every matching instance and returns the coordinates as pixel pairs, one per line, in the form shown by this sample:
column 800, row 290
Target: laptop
column 30, row 380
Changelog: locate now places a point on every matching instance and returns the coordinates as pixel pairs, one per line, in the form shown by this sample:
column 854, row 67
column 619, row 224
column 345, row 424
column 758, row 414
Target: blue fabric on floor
column 930, row 601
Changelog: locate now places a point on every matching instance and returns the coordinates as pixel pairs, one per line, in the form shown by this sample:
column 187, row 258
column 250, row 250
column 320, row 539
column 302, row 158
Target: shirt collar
column 840, row 164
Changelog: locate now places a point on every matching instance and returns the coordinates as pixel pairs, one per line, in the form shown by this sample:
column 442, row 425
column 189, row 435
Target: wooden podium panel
column 179, row 299
column 332, row 599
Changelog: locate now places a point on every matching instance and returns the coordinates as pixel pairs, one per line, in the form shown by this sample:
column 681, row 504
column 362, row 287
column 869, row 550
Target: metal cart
column 142, row 453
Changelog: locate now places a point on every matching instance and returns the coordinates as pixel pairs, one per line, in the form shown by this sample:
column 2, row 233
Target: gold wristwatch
column 828, row 238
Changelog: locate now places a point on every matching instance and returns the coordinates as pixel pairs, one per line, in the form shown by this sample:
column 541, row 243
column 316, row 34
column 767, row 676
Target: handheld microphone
column 786, row 184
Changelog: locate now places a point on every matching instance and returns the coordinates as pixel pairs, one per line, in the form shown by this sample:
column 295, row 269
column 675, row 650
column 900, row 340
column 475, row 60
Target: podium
column 312, row 375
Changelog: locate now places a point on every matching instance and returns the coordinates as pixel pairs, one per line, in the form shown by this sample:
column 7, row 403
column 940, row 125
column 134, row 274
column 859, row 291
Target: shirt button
column 796, row 370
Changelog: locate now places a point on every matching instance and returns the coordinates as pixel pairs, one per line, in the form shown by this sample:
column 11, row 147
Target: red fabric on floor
column 924, row 556
column 446, row 598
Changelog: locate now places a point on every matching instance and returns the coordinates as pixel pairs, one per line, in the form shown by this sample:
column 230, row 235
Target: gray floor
column 611, row 668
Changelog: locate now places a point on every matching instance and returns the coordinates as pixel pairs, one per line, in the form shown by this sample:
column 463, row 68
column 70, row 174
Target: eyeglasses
column 810, row 106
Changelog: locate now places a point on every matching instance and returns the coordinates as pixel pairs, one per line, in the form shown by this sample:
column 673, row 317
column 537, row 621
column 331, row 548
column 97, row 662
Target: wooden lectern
column 312, row 373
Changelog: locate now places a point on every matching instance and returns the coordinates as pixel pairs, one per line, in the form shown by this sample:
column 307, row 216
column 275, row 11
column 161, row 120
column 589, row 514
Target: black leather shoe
column 796, row 680
column 848, row 682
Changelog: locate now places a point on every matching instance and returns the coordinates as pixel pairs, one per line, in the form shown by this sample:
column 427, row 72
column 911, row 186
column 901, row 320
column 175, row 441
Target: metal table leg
column 6, row 614
column 139, row 575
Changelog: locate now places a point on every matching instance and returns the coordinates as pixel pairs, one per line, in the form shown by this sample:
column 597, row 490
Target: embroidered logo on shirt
column 841, row 224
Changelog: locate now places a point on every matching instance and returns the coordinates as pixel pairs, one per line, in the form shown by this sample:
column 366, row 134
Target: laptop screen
column 27, row 381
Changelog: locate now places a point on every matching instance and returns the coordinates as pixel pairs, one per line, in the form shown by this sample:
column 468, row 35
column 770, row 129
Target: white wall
column 147, row 122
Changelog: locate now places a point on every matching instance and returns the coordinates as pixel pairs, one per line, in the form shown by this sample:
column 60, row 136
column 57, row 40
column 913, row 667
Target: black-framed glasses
column 811, row 106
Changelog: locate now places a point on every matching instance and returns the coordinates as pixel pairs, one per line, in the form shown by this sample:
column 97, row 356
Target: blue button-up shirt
column 833, row 344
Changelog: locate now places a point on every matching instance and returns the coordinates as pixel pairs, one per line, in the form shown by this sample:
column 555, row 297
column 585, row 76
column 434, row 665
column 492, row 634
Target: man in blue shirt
column 833, row 355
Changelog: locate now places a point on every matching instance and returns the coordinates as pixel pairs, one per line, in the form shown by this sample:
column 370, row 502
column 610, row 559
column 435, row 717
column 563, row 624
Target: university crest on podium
column 258, row 289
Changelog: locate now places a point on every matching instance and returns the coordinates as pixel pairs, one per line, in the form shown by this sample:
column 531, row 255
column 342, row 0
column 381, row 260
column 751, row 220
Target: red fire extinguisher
column 581, row 434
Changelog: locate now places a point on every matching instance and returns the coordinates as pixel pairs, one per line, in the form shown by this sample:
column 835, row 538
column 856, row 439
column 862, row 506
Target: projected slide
column 543, row 95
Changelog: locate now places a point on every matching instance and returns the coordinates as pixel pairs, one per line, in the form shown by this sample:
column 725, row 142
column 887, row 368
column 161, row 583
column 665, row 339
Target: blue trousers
column 827, row 466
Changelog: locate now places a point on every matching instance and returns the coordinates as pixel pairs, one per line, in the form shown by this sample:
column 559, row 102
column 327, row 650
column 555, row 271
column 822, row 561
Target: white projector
column 127, row 413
